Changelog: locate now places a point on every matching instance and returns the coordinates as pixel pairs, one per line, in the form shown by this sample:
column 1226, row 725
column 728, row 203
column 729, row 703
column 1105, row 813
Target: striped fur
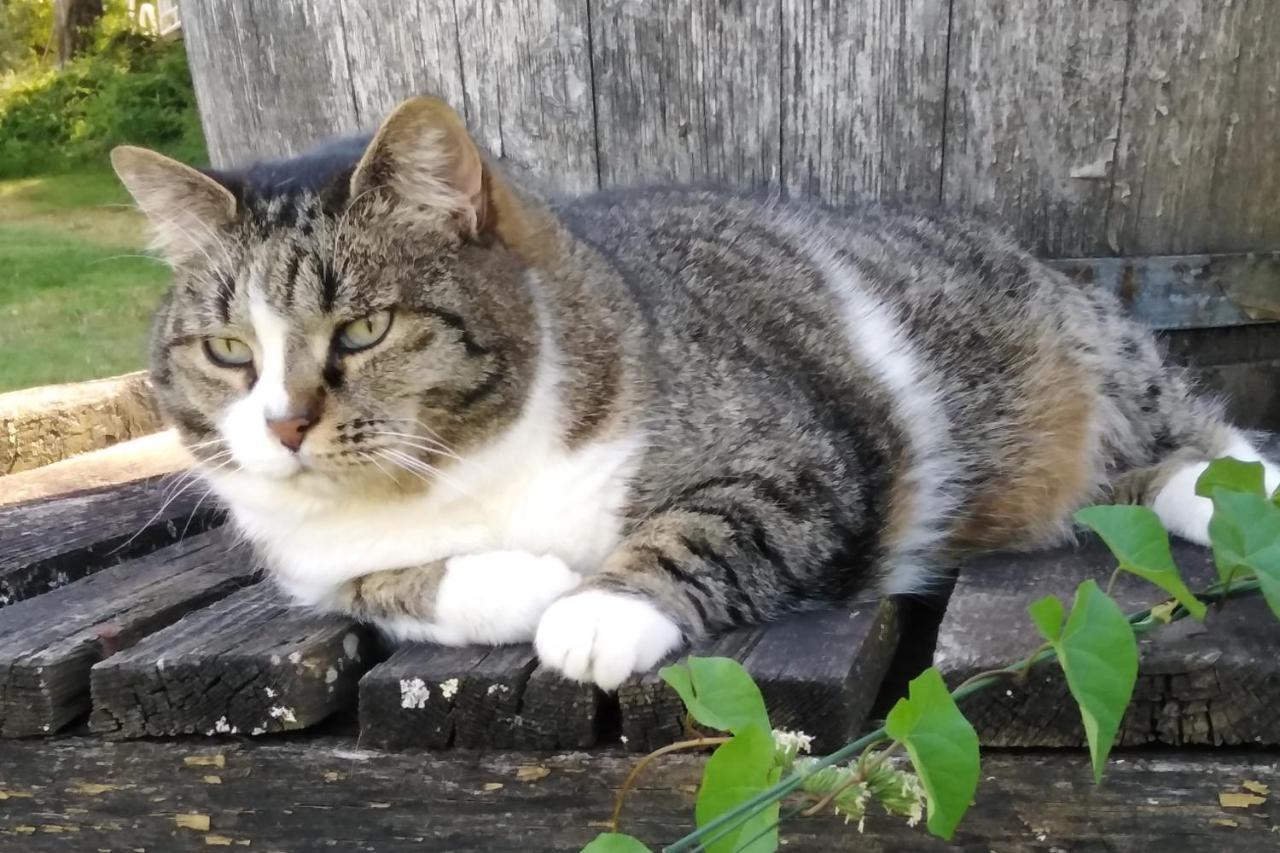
column 715, row 409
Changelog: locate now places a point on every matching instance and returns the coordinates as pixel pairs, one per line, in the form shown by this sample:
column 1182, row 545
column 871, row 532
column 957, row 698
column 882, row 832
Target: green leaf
column 735, row 773
column 614, row 842
column 943, row 748
column 1245, row 532
column 1099, row 656
column 1232, row 475
column 718, row 693
column 1140, row 544
column 1048, row 614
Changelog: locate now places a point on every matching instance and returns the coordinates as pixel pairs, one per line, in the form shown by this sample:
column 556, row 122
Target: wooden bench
column 156, row 692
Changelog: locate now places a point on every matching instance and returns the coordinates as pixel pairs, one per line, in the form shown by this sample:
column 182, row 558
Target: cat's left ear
column 423, row 156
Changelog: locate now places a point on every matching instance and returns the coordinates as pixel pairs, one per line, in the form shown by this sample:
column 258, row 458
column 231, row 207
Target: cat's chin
column 304, row 488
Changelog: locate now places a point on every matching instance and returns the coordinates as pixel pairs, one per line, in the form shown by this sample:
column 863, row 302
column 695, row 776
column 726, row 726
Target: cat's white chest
column 567, row 503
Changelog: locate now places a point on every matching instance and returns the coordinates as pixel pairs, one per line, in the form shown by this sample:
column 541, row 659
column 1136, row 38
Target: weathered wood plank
column 415, row 55
column 863, row 89
column 80, row 794
column 819, row 673
column 250, row 664
column 687, row 91
column 53, row 422
column 1188, row 291
column 528, row 84
column 1197, row 166
column 1210, row 683
column 271, row 79
column 473, row 697
column 1240, row 363
column 1033, row 111
column 48, row 544
column 49, row 643
column 556, row 713
column 157, row 455
column 408, row 700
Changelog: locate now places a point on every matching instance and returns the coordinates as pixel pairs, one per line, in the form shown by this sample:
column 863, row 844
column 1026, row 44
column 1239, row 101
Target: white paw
column 1180, row 509
column 493, row 598
column 603, row 637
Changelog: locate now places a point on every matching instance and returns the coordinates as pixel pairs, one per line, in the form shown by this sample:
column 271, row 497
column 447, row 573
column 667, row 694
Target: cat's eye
column 365, row 332
column 228, row 352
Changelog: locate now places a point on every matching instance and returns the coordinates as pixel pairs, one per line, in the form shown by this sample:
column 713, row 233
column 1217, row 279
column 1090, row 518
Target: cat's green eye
column 228, row 352
column 365, row 332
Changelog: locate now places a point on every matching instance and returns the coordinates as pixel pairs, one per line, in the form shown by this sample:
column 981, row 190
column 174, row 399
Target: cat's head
column 354, row 318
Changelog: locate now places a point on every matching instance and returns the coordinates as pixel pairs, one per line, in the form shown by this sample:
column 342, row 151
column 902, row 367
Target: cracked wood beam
column 47, row 544
column 1211, row 683
column 434, row 697
column 819, row 673
column 250, row 664
column 49, row 643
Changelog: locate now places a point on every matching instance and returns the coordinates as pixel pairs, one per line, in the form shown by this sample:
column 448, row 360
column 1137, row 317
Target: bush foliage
column 132, row 88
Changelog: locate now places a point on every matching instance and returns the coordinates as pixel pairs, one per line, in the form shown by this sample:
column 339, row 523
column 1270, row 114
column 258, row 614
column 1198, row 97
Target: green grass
column 75, row 296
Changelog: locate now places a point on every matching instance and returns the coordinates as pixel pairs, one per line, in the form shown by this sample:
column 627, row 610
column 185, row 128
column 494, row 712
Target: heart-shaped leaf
column 1098, row 654
column 1245, row 532
column 736, row 772
column 1141, row 546
column 943, row 748
column 718, row 693
column 1233, row 475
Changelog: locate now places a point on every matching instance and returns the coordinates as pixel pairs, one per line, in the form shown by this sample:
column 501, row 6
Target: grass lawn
column 75, row 297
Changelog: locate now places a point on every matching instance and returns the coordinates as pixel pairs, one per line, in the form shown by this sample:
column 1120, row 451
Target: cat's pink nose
column 290, row 431
column 302, row 413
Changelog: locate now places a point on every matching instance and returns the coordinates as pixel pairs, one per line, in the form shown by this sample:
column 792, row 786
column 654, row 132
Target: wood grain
column 687, row 91
column 250, row 664
column 1209, row 683
column 49, row 643
column 819, row 673
column 323, row 793
column 1088, row 128
column 271, row 79
column 863, row 90
column 47, row 544
column 528, row 88
column 477, row 697
column 1033, row 110
column 1197, row 167
column 42, row 425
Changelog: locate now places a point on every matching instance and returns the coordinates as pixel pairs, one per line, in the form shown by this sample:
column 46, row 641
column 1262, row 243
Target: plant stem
column 724, row 824
column 697, row 743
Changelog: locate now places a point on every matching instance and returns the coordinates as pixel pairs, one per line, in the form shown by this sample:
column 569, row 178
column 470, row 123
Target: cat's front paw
column 603, row 637
column 499, row 596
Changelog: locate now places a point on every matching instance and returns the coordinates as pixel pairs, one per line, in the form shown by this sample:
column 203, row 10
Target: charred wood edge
column 250, row 664
column 1197, row 684
column 85, row 794
column 47, row 544
column 49, row 643
column 819, row 673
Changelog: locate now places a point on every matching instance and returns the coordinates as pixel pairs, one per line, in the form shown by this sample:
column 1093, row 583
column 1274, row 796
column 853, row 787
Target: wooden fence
column 1092, row 127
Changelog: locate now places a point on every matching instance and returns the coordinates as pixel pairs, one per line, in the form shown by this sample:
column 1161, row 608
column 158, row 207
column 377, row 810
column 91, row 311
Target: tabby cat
column 612, row 423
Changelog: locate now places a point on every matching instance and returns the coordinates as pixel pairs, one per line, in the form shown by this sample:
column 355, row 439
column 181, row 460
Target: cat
column 613, row 423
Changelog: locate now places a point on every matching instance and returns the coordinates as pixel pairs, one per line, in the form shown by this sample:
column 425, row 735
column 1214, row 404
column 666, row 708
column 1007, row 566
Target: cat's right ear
column 183, row 206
